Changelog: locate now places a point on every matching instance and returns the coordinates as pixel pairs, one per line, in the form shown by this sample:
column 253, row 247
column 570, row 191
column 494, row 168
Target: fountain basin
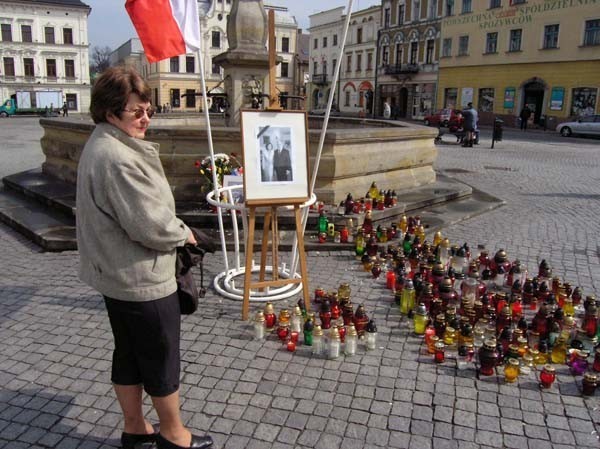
column 356, row 152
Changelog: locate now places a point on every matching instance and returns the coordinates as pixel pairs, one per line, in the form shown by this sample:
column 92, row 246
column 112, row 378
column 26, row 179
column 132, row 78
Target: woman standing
column 127, row 233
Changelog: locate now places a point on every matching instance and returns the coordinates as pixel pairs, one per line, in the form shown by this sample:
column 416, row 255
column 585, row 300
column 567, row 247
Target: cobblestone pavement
column 56, row 345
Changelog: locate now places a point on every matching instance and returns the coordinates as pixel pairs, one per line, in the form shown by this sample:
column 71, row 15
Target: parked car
column 589, row 125
column 444, row 117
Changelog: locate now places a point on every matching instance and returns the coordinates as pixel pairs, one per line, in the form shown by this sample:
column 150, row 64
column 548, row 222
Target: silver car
column 589, row 125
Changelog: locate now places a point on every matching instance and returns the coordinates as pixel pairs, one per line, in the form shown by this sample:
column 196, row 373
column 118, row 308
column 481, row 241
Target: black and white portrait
column 276, row 158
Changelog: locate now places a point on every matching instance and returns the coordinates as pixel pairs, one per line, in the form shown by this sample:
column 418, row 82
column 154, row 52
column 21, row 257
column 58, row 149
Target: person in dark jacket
column 524, row 116
column 127, row 235
column 469, row 125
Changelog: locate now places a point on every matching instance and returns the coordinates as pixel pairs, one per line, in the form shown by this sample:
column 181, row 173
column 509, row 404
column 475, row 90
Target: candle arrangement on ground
column 342, row 331
column 484, row 311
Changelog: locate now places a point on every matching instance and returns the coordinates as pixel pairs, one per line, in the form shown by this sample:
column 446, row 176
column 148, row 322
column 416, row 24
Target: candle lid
column 317, row 332
column 549, row 369
column 351, row 331
column 259, row 317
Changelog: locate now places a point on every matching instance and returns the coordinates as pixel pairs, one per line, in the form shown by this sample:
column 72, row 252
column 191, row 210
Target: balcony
column 320, row 79
column 400, row 69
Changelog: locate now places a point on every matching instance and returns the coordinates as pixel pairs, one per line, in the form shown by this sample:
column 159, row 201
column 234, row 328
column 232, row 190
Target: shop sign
column 557, row 98
column 509, row 98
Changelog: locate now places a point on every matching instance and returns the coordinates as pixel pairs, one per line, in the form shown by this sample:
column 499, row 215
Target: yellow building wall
column 567, row 75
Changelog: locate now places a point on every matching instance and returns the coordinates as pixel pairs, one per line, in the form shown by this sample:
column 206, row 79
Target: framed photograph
column 234, row 196
column 275, row 157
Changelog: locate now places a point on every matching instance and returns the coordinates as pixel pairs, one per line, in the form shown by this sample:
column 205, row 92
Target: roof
column 72, row 3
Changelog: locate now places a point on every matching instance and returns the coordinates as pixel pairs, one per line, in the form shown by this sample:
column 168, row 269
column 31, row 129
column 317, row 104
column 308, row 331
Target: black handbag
column 189, row 256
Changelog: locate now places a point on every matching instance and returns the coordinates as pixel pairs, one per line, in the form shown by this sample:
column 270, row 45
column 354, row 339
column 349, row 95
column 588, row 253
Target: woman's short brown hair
column 112, row 89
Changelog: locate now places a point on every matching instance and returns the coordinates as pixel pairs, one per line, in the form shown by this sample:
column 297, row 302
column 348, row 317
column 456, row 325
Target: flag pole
column 323, row 130
column 216, row 196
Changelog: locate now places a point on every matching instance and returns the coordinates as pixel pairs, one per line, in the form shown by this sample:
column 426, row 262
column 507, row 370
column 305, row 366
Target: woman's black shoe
column 198, row 442
column 130, row 440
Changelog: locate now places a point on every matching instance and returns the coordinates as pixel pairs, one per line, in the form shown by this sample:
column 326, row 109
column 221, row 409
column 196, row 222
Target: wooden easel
column 270, row 223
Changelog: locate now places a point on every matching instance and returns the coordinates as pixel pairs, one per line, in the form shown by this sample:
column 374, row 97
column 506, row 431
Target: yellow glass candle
column 431, row 344
column 511, row 370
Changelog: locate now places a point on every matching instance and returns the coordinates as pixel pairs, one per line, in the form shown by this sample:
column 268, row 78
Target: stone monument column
column 246, row 62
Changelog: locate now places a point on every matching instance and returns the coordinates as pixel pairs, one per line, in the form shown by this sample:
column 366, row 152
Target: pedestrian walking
column 127, row 234
column 65, row 109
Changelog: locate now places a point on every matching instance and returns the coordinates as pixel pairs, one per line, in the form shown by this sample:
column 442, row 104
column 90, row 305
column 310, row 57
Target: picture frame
column 275, row 157
column 234, row 196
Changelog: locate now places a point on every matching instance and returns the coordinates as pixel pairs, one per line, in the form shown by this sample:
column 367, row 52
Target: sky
column 109, row 24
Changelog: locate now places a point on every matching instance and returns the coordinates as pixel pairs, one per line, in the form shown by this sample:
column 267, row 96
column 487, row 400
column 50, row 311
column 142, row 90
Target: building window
column 467, row 6
column 369, row 61
column 315, row 67
column 463, row 45
column 71, row 102
column 324, row 67
column 190, row 98
column 334, row 40
column 49, row 34
column 433, row 6
column 333, row 65
column 9, row 67
column 517, row 2
column 316, row 43
column 447, row 47
column 216, row 68
column 216, row 39
column 591, row 36
column 429, row 51
column 386, row 18
column 491, row 43
column 358, row 62
column 359, row 35
column 495, row 4
column 51, row 68
column 175, row 98
column 324, row 41
column 515, row 40
column 348, row 63
column 285, row 44
column 385, row 54
column 284, row 70
column 70, row 68
column 584, row 101
column 414, row 50
column 401, row 13
column 190, row 62
column 347, row 98
column 450, row 97
column 6, row 32
column 28, row 67
column 486, row 99
column 26, row 33
column 174, row 64
column 398, row 54
column 551, row 36
column 449, row 7
column 68, row 36
column 416, row 10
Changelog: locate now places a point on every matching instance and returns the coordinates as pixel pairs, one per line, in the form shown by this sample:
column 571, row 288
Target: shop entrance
column 403, row 102
column 533, row 96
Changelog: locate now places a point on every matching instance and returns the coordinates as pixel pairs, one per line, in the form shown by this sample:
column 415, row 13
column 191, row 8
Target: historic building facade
column 175, row 82
column 505, row 54
column 407, row 57
column 326, row 30
column 357, row 77
column 44, row 53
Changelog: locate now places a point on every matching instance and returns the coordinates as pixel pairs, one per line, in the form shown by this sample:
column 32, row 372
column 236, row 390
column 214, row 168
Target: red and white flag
column 166, row 27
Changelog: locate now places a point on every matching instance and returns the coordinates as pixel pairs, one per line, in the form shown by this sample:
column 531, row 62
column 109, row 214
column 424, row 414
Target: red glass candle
column 294, row 336
column 319, row 295
column 590, row 322
column 439, row 355
column 270, row 317
column 596, row 365
column 589, row 384
column 547, row 376
column 342, row 332
column 322, row 237
column 283, row 332
column 488, row 358
column 390, row 280
column 291, row 346
column 344, row 235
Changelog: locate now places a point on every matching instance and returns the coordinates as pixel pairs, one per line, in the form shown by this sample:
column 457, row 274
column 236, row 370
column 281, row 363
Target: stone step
column 43, row 208
column 44, row 225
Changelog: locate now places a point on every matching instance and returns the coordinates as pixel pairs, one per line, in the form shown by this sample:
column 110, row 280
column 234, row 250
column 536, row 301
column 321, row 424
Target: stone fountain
column 356, row 152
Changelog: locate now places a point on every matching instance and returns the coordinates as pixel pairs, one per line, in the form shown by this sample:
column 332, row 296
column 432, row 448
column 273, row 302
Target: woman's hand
column 191, row 239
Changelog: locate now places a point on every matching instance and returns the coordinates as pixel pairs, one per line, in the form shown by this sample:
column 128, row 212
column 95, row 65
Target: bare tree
column 100, row 59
